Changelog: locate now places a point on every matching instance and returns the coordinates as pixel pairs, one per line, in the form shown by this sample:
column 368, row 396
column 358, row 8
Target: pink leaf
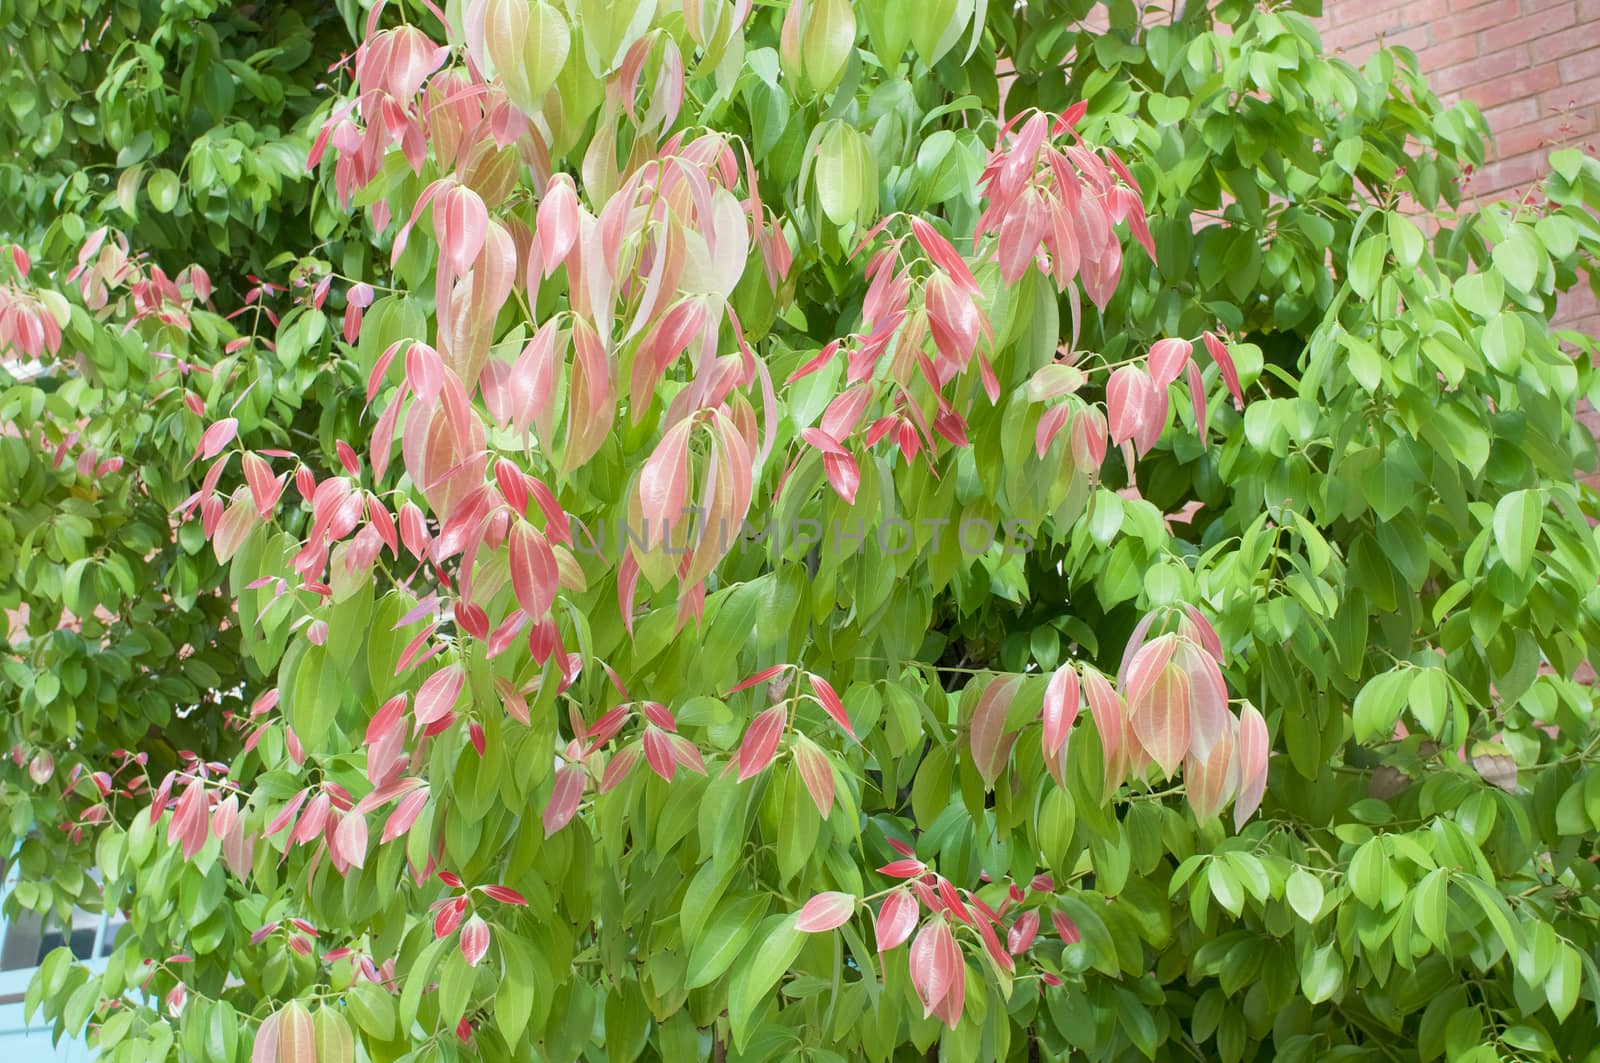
column 991, row 745
column 475, row 940
column 505, row 895
column 1161, row 714
column 935, row 964
column 843, row 475
column 1167, row 360
column 897, row 917
column 816, row 771
column 1197, row 397
column 438, row 694
column 658, row 753
column 1130, row 399
column 757, row 679
column 462, row 223
column 907, row 868
column 404, row 815
column 216, row 438
column 1254, row 747
column 1105, row 706
column 534, row 576
column 1230, row 373
column 760, row 743
column 564, row 799
column 944, row 255
column 1020, row 937
column 831, row 704
column 825, row 911
column 1060, row 708
column 351, row 839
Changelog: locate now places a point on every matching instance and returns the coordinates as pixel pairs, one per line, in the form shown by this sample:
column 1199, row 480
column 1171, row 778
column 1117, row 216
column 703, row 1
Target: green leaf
column 1366, row 265
column 373, row 1009
column 777, row 951
column 1518, row 517
column 1378, row 705
column 1304, row 893
column 714, row 951
column 1565, row 979
column 1321, row 974
column 1406, row 239
column 163, row 189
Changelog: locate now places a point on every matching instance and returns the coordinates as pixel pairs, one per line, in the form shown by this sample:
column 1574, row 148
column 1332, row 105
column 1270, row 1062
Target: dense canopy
column 624, row 529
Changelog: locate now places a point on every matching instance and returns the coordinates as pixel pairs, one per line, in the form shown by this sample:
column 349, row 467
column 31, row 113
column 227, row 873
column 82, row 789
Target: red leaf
column 760, row 743
column 1167, row 360
column 216, row 438
column 1020, row 937
column 664, row 483
column 534, row 575
column 404, row 815
column 659, row 715
column 461, row 222
column 296, row 1035
column 953, row 902
column 448, row 917
column 351, row 839
column 1060, row 709
column 907, row 868
column 687, row 754
column 825, row 911
column 1197, row 398
column 565, row 794
column 831, row 704
column 475, row 940
column 658, row 753
column 823, row 357
column 1089, row 440
column 505, row 895
column 991, row 941
column 757, row 679
column 1204, row 633
column 991, row 745
column 1050, row 424
column 1230, row 373
column 438, row 694
column 1105, row 705
column 897, row 917
column 944, row 255
column 618, row 767
column 1161, row 714
column 556, row 224
column 1130, row 402
column 816, row 772
column 1254, row 747
column 935, row 963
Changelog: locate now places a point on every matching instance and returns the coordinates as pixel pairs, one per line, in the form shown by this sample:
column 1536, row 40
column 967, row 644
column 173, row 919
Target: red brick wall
column 1531, row 66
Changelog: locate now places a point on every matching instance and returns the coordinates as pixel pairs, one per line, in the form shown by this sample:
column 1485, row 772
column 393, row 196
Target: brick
column 1348, row 33
column 1510, row 178
column 1473, row 19
column 1514, row 113
column 1573, row 93
column 1415, row 39
column 1543, row 135
column 1530, row 27
column 1517, row 86
column 1573, row 40
column 1585, row 64
column 1493, row 64
column 1448, row 53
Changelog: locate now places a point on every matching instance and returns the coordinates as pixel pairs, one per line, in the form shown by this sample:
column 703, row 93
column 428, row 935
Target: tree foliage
column 622, row 530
